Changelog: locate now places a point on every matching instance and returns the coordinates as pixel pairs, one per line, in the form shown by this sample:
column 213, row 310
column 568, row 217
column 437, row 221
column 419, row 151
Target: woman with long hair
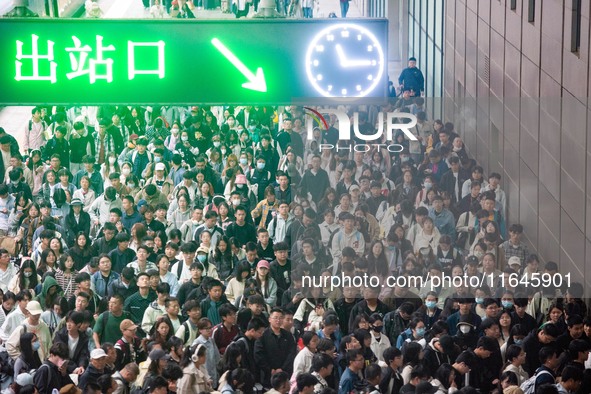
column 266, row 283
column 312, row 308
column 444, row 379
column 26, row 278
column 138, row 233
column 328, row 201
column 27, row 228
column 19, row 213
column 412, row 354
column 223, row 259
column 195, row 378
column 47, row 262
column 37, row 167
column 162, row 330
column 235, row 286
column 376, row 260
column 110, row 166
column 224, row 218
column 231, row 360
column 160, row 241
column 82, row 251
column 65, row 275
column 303, row 360
column 8, row 302
column 230, row 169
column 182, row 213
column 59, row 203
column 56, row 245
column 29, row 359
column 204, row 195
column 46, row 190
column 364, row 338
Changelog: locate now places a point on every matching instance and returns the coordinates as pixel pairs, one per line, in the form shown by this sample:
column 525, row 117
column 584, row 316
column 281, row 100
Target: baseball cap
column 472, row 260
column 133, row 137
column 34, row 308
column 514, row 260
column 160, row 167
column 24, row 379
column 353, row 187
column 97, row 353
column 263, row 264
column 203, row 249
column 159, row 354
column 76, row 201
column 241, row 179
column 126, row 325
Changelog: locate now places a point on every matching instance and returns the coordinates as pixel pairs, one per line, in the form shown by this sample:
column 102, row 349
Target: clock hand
column 349, row 63
column 357, row 63
column 341, row 55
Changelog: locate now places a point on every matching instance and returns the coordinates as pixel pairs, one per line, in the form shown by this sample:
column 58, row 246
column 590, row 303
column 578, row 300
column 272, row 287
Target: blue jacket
column 348, row 381
column 129, row 220
column 444, row 221
column 100, row 284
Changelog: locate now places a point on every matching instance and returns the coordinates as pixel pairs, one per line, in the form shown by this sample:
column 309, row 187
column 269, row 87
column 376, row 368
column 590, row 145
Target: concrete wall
column 519, row 97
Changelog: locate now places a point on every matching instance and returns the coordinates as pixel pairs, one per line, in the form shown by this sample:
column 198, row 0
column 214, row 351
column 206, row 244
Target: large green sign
column 178, row 61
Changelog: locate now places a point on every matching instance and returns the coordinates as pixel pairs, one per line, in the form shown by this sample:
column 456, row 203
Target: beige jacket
column 194, row 380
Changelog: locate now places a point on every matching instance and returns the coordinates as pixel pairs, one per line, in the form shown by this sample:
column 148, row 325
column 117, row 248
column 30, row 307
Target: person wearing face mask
column 379, row 342
column 428, row 183
column 259, row 178
column 33, row 324
column 463, row 314
column 174, row 137
column 414, row 333
column 209, row 270
column 466, row 336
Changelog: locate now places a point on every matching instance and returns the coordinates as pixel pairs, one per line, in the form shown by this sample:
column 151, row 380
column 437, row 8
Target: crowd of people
column 163, row 249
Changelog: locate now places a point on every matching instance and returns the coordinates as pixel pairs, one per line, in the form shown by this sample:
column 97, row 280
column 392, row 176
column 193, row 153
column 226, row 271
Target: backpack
column 529, row 386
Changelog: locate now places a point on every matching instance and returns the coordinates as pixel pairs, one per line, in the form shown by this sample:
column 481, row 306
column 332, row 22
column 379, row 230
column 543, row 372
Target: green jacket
column 43, row 297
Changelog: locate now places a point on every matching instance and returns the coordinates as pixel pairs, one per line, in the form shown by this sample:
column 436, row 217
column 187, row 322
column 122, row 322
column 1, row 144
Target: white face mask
column 216, row 144
column 174, row 131
column 126, row 171
column 464, row 329
column 112, row 160
column 236, row 202
column 184, row 138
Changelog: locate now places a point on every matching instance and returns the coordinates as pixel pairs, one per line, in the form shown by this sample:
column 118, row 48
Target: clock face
column 345, row 60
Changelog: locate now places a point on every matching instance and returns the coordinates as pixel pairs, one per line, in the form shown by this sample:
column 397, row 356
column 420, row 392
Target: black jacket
column 74, row 227
column 48, row 377
column 91, row 374
column 273, row 352
column 81, row 353
column 117, row 287
column 388, row 375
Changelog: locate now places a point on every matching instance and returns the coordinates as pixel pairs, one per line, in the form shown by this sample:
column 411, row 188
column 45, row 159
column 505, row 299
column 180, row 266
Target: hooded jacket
column 157, row 198
column 48, row 284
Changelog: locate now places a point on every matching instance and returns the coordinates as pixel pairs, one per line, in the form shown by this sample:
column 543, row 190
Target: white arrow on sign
column 255, row 81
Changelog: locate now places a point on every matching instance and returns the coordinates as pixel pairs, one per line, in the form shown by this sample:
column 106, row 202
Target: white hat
column 34, row 308
column 24, row 379
column 160, row 167
column 514, row 260
column 97, row 353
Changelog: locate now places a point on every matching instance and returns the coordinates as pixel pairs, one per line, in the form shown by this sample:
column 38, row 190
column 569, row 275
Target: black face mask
column 378, row 328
